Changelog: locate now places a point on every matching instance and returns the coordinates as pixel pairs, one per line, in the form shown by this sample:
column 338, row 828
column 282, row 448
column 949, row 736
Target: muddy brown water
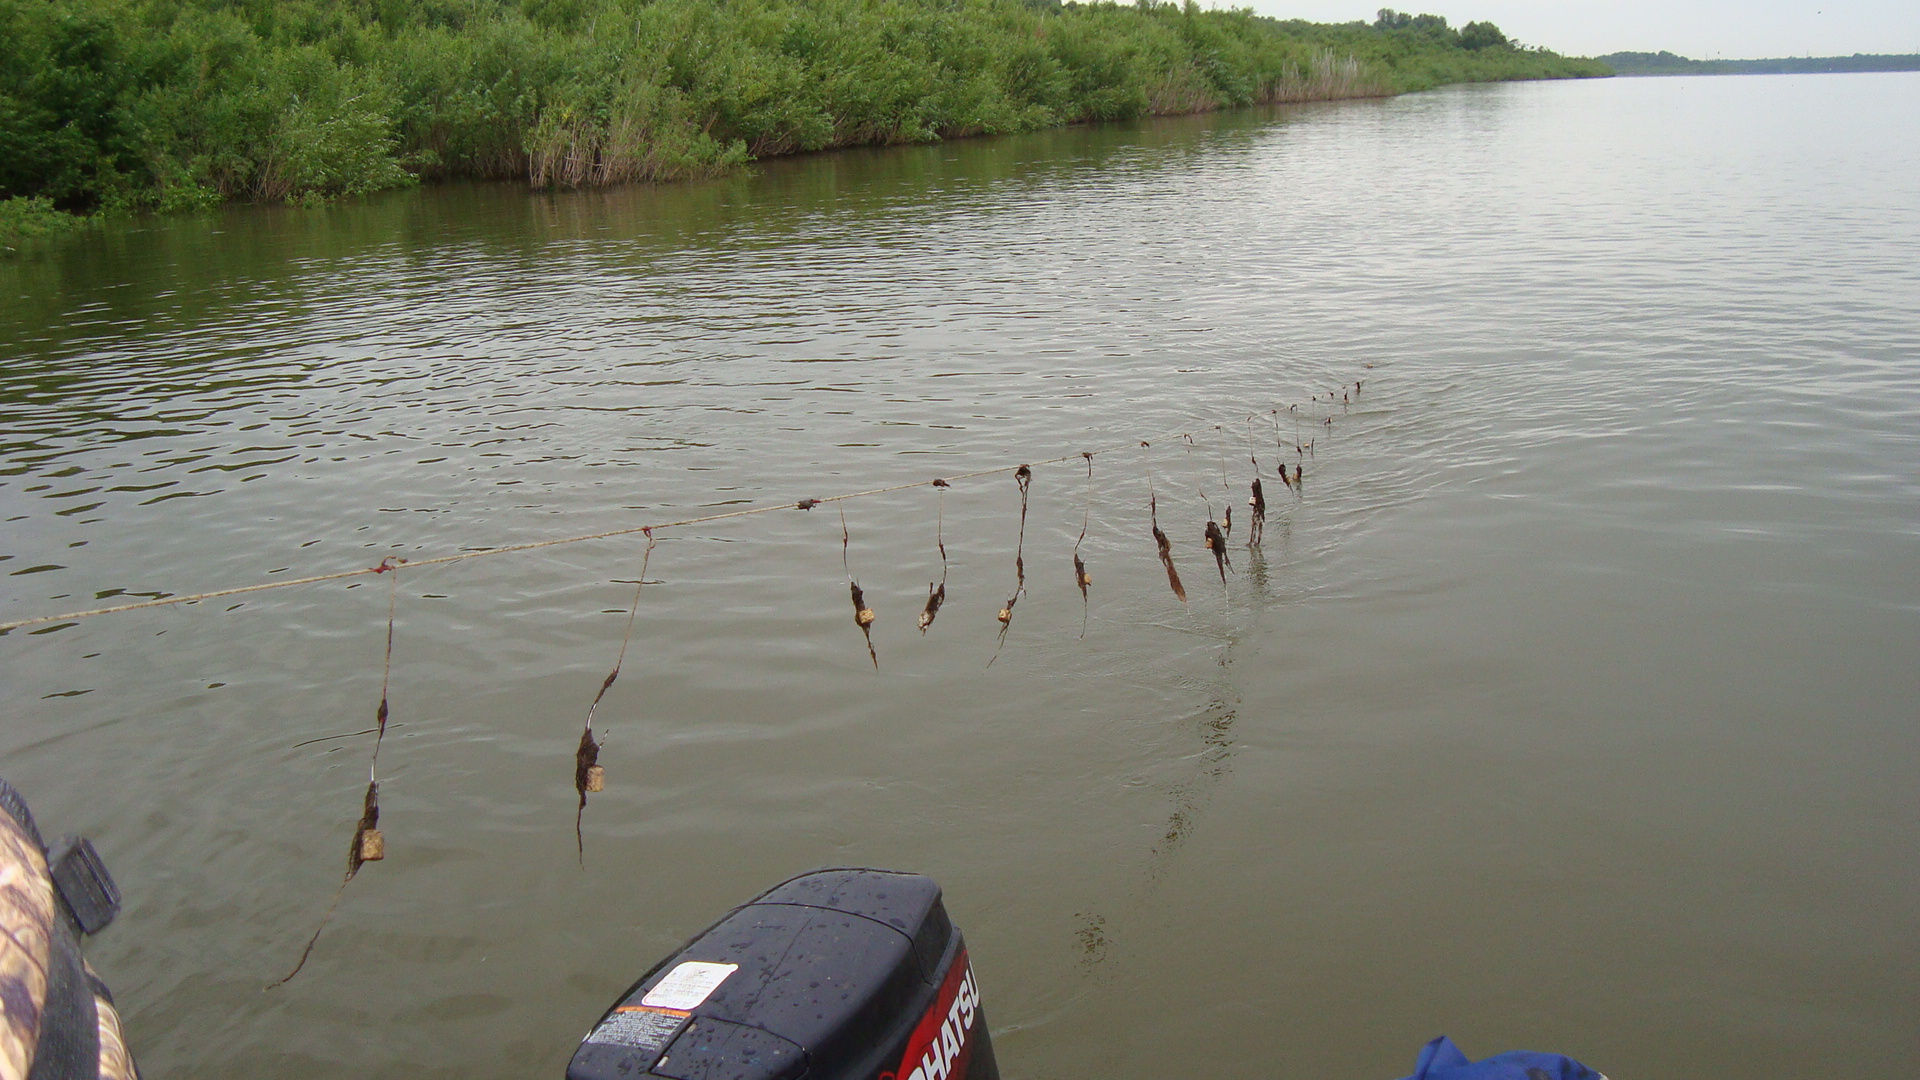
column 1572, row 705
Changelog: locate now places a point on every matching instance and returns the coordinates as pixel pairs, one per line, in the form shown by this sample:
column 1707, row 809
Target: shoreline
column 30, row 222
column 188, row 104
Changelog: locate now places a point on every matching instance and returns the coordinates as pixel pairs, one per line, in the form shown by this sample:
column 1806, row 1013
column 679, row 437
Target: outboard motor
column 833, row 975
column 57, row 1020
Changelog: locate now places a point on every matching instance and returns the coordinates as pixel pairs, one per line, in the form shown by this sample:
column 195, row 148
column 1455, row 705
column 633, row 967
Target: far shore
column 1666, row 63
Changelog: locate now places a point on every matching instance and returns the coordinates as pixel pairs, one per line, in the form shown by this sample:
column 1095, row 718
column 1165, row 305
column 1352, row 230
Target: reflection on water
column 1551, row 712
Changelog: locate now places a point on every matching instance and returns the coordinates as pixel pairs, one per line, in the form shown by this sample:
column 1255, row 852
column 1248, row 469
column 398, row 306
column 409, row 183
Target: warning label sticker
column 687, row 985
column 639, row 1028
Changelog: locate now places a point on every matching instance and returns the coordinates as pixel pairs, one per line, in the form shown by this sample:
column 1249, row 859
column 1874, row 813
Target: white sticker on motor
column 687, row 985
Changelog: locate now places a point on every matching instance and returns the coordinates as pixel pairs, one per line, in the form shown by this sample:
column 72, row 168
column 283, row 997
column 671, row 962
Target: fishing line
column 1023, row 476
column 1225, row 485
column 1199, row 485
column 331, row 738
column 1256, row 531
column 588, row 774
column 388, row 566
column 1080, row 575
column 535, row 545
column 356, row 855
column 368, row 845
column 1160, row 541
column 937, row 594
column 1279, row 442
column 1216, row 540
column 863, row 616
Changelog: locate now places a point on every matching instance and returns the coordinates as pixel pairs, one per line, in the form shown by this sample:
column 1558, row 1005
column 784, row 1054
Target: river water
column 1571, row 706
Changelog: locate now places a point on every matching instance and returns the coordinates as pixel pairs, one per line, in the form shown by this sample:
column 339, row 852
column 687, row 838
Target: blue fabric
column 1441, row 1060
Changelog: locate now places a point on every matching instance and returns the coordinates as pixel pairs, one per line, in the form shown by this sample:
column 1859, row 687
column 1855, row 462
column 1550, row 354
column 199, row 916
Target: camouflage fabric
column 116, row 1063
column 35, row 947
column 27, row 911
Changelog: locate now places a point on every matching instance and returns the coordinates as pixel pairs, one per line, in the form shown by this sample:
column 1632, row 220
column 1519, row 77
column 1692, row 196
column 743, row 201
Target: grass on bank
column 108, row 105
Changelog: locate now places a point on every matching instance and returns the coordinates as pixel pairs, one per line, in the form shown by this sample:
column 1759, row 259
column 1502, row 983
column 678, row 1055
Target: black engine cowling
column 834, row 975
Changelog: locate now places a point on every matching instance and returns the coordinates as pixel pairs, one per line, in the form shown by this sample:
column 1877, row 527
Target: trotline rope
column 415, row 564
column 368, row 844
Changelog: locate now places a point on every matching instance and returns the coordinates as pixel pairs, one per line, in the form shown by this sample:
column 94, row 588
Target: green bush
column 24, row 218
column 175, row 104
column 62, row 78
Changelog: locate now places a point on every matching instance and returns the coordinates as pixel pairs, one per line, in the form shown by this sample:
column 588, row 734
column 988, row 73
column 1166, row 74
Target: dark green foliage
column 25, row 218
column 1430, row 25
column 1482, row 35
column 62, row 77
column 182, row 103
column 1419, row 52
column 1433, row 29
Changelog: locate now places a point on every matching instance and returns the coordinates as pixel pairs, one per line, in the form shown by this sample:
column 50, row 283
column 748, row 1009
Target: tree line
column 1473, row 37
column 1666, row 63
column 110, row 105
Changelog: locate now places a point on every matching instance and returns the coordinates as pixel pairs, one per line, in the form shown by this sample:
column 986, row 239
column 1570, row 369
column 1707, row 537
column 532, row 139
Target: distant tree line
column 1666, row 63
column 166, row 104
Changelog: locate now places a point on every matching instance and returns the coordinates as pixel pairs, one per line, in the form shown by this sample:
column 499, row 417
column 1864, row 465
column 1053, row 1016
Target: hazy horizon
column 1700, row 30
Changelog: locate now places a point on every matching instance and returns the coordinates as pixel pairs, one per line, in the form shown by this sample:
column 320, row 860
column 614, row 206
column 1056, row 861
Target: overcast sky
column 1702, row 29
